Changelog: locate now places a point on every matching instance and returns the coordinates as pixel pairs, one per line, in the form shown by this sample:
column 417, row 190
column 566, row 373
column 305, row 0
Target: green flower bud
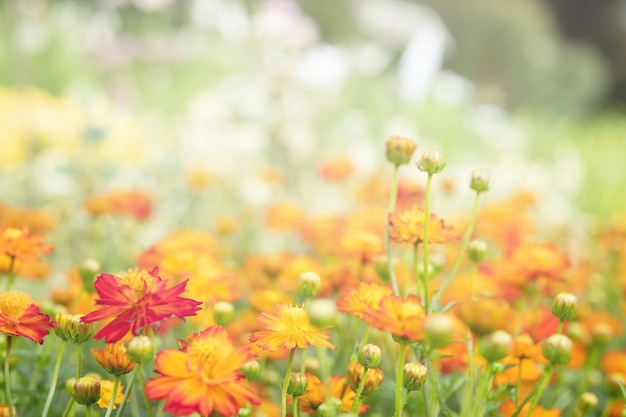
column 322, row 311
column 244, row 412
column 557, row 349
column 370, row 356
column 431, row 162
column 496, row 346
column 587, row 402
column 251, row 370
column 438, row 329
column 601, row 334
column 565, row 306
column 298, row 384
column 223, row 312
column 330, row 407
column 479, row 181
column 414, row 375
column 140, row 349
column 88, row 271
column 476, row 250
column 71, row 328
column 86, row 390
column 399, row 150
column 309, row 284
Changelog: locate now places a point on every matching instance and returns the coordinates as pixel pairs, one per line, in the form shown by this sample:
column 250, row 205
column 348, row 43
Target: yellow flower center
column 203, row 353
column 14, row 303
column 135, row 278
column 12, row 233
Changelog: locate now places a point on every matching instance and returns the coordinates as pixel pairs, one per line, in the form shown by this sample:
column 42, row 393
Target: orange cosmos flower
column 203, row 376
column 106, row 392
column 138, row 300
column 365, row 296
column 289, row 328
column 114, row 359
column 19, row 316
column 533, row 261
column 408, row 227
column 401, row 318
column 317, row 392
column 22, row 245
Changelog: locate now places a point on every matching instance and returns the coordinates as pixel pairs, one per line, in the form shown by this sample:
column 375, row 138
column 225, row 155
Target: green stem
column 416, row 275
column 116, row 385
column 472, row 277
column 55, row 378
column 69, row 407
column 283, row 393
column 356, row 404
column 545, row 377
column 425, row 249
column 469, row 384
column 518, row 386
column 88, row 410
column 294, row 413
column 7, row 376
column 399, row 385
column 457, row 261
column 392, row 206
column 483, row 389
column 142, row 378
column 542, row 387
column 133, row 376
column 559, row 328
column 11, row 274
column 79, row 359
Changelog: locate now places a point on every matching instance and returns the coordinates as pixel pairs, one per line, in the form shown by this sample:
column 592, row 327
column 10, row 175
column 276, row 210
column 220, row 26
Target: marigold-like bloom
column 19, row 316
column 317, row 392
column 22, row 245
column 408, row 227
column 534, row 261
column 106, row 392
column 114, row 359
column 401, row 318
column 365, row 296
column 373, row 378
column 289, row 327
column 203, row 376
column 138, row 300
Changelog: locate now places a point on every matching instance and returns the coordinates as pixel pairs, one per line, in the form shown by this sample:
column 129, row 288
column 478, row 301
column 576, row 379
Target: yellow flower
column 106, row 392
column 408, row 227
column 289, row 328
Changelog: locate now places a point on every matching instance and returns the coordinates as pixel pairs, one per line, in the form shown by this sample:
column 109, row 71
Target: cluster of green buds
column 496, row 346
column 330, row 408
column 71, row 328
column 399, row 150
column 414, row 376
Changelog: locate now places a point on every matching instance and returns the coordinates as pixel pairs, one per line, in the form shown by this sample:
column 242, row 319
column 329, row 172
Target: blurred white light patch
column 151, row 5
column 324, row 67
column 371, row 58
column 282, row 21
column 31, row 37
column 452, row 89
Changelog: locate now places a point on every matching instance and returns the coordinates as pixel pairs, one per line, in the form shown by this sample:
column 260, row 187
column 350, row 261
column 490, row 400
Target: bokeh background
column 263, row 101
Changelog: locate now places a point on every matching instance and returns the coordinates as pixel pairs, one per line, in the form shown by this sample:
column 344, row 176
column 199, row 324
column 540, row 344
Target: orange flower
column 129, row 203
column 22, row 245
column 361, row 244
column 284, row 216
column 203, row 376
column 114, row 359
column 357, row 300
column 534, row 261
column 20, row 317
column 138, row 300
column 508, row 409
column 408, row 227
column 401, row 318
column 373, row 377
column 289, row 328
column 317, row 393
column 106, row 392
column 336, row 169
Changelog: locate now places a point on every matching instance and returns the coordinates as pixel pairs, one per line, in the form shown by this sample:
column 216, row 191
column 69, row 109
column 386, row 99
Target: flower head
column 23, row 245
column 401, row 318
column 289, row 327
column 19, row 316
column 114, row 359
column 408, row 227
column 106, row 392
column 203, row 376
column 356, row 300
column 317, row 392
column 137, row 300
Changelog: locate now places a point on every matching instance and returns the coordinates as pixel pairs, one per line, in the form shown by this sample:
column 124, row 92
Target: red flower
column 20, row 317
column 137, row 300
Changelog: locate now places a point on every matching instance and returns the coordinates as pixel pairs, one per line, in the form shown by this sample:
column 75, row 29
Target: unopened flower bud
column 614, row 383
column 587, row 402
column 601, row 334
column 88, row 271
column 557, row 349
column 373, row 377
column 496, row 346
column 370, row 356
column 399, row 150
column 86, row 390
column 309, row 284
column 298, row 384
column 479, row 181
column 577, row 332
column 322, row 311
column 140, row 349
column 476, row 250
column 223, row 312
column 431, row 162
column 244, row 412
column 71, row 328
column 438, row 329
column 564, row 306
column 330, row 407
column 251, row 370
column 414, row 375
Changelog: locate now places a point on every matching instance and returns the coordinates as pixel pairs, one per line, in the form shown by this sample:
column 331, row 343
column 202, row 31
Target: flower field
column 268, row 230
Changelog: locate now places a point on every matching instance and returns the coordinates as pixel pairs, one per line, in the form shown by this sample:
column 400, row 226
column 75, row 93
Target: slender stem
column 356, row 404
column 559, row 328
column 294, row 413
column 69, row 407
column 543, row 384
column 283, row 393
column 55, row 378
column 359, row 345
column 483, row 389
column 416, row 275
column 392, row 206
column 88, row 410
column 518, row 386
column 142, row 378
column 116, row 386
column 457, row 261
column 11, row 273
column 425, row 246
column 7, row 376
column 399, row 385
column 469, row 384
column 545, row 376
column 79, row 359
column 133, row 376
